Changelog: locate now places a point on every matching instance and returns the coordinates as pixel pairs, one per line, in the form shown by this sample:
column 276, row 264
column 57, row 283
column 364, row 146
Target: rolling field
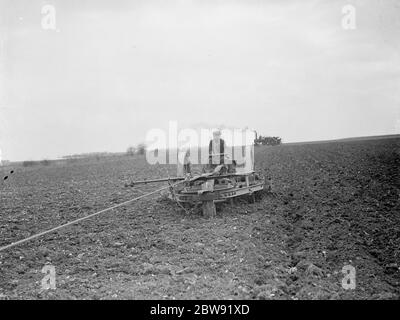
column 330, row 205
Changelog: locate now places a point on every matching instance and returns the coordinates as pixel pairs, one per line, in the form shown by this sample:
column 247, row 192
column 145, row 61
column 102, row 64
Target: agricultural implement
column 217, row 183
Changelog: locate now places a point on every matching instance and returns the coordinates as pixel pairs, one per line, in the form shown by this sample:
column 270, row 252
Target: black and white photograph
column 226, row 151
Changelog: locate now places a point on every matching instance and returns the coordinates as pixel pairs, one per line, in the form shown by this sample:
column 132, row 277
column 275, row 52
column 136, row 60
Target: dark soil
column 329, row 205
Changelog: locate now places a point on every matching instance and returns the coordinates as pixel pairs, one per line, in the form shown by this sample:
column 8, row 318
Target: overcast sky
column 112, row 70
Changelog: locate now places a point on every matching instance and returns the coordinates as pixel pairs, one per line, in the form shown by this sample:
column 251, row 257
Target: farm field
column 329, row 205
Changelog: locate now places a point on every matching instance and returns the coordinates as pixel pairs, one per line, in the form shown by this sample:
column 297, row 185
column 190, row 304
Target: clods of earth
column 326, row 227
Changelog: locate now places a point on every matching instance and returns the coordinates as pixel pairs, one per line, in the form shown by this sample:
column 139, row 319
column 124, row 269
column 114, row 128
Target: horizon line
column 347, row 139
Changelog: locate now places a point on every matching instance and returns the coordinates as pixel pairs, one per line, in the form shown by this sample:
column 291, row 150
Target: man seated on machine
column 217, row 155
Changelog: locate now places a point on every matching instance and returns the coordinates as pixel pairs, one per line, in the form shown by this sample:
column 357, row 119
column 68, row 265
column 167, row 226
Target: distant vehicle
column 268, row 141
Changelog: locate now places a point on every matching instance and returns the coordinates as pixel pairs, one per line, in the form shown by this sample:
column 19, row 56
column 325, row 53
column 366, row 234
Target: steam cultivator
column 222, row 183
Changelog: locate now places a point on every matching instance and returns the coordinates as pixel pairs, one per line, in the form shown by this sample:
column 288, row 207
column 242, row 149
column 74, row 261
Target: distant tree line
column 30, row 163
column 140, row 149
column 267, row 141
column 88, row 155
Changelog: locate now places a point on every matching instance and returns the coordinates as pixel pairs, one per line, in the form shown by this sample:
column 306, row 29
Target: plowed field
column 329, row 205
